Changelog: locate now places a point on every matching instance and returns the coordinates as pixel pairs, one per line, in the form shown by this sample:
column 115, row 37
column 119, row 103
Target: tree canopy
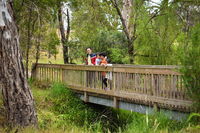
column 145, row 32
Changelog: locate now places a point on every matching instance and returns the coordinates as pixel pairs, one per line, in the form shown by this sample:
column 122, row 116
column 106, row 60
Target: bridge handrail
column 162, row 85
column 116, row 68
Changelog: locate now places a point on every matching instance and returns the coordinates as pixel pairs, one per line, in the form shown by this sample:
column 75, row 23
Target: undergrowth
column 60, row 110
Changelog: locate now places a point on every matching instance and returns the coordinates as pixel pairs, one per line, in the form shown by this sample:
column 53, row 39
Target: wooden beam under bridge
column 128, row 105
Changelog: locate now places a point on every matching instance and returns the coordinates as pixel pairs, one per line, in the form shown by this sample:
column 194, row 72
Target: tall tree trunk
column 28, row 45
column 17, row 97
column 128, row 28
column 37, row 56
column 64, row 36
column 127, row 15
column 131, row 51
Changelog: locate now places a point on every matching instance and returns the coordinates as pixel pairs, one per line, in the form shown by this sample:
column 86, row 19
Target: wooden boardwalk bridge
column 137, row 88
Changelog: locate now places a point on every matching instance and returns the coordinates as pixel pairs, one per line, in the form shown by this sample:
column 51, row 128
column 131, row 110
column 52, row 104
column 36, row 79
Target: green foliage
column 153, row 123
column 66, row 109
column 156, row 44
column 76, row 50
column 194, row 118
column 69, row 107
column 117, row 56
column 51, row 43
column 95, row 24
column 159, row 40
column 113, row 44
column 159, row 29
column 191, row 63
column 59, row 111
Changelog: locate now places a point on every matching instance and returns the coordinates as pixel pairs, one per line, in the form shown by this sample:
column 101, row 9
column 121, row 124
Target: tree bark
column 17, row 97
column 131, row 51
column 129, row 29
column 64, row 36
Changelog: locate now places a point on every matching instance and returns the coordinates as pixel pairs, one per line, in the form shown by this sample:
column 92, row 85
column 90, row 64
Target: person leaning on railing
column 98, row 59
column 90, row 60
column 104, row 63
column 91, row 57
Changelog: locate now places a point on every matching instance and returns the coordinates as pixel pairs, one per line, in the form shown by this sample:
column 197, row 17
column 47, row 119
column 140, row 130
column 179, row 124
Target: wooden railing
column 150, row 85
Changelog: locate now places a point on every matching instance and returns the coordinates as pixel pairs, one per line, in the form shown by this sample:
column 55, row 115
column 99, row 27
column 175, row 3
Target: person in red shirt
column 91, row 57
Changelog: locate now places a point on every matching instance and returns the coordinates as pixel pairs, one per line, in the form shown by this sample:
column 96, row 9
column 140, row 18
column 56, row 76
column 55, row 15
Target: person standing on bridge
column 98, row 60
column 104, row 63
column 91, row 57
column 90, row 76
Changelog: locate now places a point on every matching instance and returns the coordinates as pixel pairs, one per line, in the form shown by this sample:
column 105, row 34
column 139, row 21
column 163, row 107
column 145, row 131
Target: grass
column 44, row 58
column 58, row 60
column 60, row 111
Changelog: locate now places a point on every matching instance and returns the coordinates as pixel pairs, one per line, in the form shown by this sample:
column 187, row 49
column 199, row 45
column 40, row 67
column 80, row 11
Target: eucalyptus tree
column 134, row 19
column 129, row 28
column 17, row 97
column 61, row 9
column 188, row 13
column 64, row 33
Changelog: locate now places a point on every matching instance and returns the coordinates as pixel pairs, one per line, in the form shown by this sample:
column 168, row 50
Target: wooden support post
column 63, row 75
column 115, row 103
column 155, row 107
column 86, row 98
column 113, row 82
column 153, row 85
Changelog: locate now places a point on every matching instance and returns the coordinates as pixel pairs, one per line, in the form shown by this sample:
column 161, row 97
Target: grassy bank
column 59, row 110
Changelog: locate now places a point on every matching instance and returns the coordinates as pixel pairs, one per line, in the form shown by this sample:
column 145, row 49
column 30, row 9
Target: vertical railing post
column 86, row 97
column 63, row 76
column 152, row 85
column 115, row 102
column 114, row 89
column 113, row 80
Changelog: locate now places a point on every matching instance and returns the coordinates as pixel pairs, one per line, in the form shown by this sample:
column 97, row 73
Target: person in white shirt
column 98, row 59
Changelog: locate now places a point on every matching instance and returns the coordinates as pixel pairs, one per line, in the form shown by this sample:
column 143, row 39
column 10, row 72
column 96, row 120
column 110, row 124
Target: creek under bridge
column 139, row 88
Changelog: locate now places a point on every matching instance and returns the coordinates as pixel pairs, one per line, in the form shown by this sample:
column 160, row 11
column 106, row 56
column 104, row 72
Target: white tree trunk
column 126, row 13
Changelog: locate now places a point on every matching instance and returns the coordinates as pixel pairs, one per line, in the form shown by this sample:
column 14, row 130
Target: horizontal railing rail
column 151, row 85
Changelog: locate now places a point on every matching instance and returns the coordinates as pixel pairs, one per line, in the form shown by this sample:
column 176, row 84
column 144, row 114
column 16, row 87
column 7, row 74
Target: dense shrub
column 191, row 67
column 69, row 106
